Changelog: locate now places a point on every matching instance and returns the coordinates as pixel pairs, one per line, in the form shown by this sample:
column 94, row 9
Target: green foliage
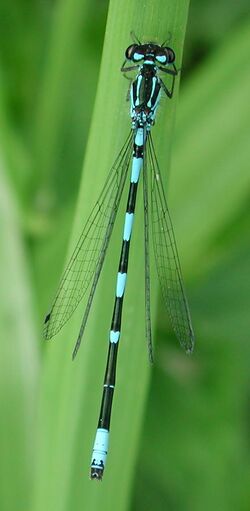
column 190, row 449
column 198, row 406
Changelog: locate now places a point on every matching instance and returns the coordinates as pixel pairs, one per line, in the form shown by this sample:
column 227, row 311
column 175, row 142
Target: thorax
column 145, row 95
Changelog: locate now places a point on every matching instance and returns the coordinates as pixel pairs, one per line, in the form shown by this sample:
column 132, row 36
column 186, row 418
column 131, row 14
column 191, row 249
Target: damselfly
column 150, row 62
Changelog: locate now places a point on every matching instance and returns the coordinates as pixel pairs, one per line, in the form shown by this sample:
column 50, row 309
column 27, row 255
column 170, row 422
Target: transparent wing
column 166, row 256
column 87, row 259
column 146, row 257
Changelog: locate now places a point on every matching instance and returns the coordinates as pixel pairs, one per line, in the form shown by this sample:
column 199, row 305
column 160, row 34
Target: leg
column 130, row 68
column 124, row 71
column 172, row 72
column 128, row 92
column 169, row 93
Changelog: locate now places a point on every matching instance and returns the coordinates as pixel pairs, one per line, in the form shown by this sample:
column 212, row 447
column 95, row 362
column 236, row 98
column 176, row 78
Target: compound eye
column 138, row 56
column 129, row 53
column 170, row 55
column 162, row 59
column 134, row 53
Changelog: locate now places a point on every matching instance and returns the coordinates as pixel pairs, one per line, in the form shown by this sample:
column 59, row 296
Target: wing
column 146, row 257
column 87, row 259
column 166, row 256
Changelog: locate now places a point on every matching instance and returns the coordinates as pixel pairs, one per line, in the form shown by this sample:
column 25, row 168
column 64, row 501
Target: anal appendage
column 99, row 455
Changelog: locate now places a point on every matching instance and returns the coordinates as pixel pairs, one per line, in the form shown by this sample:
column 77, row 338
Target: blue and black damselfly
column 151, row 62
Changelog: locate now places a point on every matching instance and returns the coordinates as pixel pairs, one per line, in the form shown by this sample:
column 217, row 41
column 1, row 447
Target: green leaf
column 64, row 105
column 210, row 176
column 201, row 413
column 18, row 352
column 71, row 393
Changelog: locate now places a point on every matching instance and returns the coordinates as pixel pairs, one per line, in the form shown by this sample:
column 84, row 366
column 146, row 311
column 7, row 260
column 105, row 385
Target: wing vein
column 166, row 257
column 87, row 259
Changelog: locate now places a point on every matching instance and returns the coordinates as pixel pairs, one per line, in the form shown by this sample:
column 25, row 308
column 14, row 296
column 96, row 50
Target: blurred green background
column 185, row 445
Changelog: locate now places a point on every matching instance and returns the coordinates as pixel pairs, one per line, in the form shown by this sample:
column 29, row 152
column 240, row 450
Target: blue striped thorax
column 146, row 88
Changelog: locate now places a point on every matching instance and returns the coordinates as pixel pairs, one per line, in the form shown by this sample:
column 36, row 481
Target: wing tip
column 189, row 346
column 46, row 334
column 76, row 348
column 47, row 318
